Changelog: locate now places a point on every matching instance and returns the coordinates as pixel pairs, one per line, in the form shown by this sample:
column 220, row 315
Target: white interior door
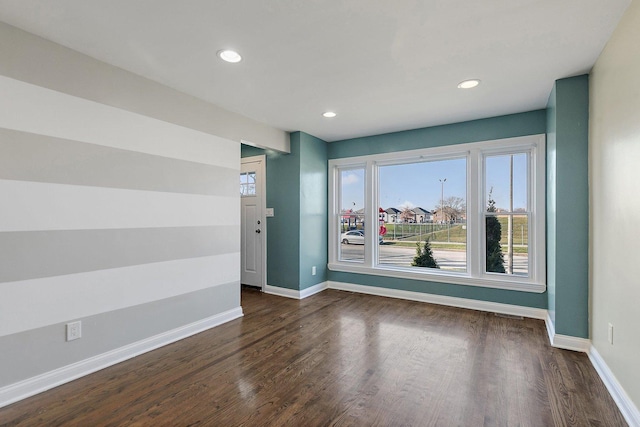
column 253, row 230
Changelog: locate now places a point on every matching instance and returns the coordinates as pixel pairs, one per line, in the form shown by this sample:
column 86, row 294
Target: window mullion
column 537, row 179
column 370, row 215
column 475, row 196
column 334, row 214
column 368, row 204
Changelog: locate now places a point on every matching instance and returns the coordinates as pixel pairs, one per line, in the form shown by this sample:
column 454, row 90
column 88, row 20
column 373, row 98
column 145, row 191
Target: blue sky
column 418, row 184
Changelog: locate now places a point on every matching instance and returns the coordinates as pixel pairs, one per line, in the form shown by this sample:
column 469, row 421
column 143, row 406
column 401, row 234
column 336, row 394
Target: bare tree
column 407, row 214
column 453, row 209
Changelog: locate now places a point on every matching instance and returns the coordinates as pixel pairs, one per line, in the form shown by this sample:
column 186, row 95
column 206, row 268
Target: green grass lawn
column 451, row 246
column 454, row 236
column 435, row 232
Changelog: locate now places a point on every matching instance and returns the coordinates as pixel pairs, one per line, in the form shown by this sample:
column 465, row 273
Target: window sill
column 452, row 278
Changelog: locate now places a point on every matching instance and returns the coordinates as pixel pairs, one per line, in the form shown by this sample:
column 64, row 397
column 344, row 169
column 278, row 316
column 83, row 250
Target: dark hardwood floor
column 339, row 358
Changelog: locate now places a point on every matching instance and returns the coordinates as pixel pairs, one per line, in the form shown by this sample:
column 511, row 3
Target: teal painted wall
column 283, row 230
column 296, row 181
column 530, row 123
column 568, row 217
column 525, row 299
column 297, row 190
column 313, row 210
column 248, row 151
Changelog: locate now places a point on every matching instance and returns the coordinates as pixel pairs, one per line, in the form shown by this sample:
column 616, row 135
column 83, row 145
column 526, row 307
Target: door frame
column 262, row 184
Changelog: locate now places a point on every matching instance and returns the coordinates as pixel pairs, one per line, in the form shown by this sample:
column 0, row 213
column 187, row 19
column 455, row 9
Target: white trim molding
column 493, row 307
column 313, row 290
column 282, row 292
column 32, row 386
column 566, row 342
column 629, row 411
column 293, row 293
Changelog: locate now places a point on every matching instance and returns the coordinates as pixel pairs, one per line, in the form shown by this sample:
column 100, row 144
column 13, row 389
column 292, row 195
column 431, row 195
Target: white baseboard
column 29, row 387
column 295, row 294
column 313, row 290
column 566, row 342
column 629, row 410
column 494, row 307
column 282, row 292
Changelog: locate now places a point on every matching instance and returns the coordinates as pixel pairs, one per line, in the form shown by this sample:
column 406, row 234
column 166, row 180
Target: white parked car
column 355, row 237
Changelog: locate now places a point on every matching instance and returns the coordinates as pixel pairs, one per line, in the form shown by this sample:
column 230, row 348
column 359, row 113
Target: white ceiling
column 382, row 65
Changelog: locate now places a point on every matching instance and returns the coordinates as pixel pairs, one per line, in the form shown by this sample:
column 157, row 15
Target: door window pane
column 248, row 184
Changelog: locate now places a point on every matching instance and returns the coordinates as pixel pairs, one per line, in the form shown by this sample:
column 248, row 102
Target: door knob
column 258, row 231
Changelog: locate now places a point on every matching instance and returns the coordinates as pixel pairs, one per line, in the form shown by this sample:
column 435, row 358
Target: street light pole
column 442, row 181
column 355, row 218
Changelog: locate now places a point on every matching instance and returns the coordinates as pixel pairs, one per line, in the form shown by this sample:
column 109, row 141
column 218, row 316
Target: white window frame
column 475, row 154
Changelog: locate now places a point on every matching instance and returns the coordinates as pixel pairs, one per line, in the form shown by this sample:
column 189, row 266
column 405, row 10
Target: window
column 506, row 214
column 430, row 197
column 469, row 214
column 351, row 215
column 247, row 184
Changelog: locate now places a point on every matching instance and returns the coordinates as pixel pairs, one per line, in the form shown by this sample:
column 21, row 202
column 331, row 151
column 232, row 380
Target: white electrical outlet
column 610, row 334
column 313, row 270
column 74, row 330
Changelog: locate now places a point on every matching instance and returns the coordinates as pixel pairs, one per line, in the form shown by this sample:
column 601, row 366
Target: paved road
column 403, row 256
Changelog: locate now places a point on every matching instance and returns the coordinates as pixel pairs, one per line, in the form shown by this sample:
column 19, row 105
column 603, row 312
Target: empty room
column 437, row 222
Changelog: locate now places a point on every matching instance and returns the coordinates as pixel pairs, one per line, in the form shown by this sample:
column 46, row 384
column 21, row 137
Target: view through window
column 424, row 212
column 507, row 214
column 351, row 215
column 247, row 184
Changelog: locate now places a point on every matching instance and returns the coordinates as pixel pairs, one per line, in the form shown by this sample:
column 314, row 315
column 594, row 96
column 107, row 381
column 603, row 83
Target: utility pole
column 442, row 181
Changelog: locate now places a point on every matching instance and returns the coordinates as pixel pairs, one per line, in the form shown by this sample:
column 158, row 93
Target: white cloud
column 350, row 179
column 407, row 204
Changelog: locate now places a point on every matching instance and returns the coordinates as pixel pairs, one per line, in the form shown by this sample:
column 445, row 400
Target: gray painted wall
column 120, row 207
column 103, row 332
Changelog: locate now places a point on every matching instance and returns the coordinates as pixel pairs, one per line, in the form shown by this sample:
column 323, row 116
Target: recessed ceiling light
column 229, row 55
column 468, row 84
column 329, row 114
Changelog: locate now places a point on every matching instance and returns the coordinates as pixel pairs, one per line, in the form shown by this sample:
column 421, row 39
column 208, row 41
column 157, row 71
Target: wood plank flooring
column 339, row 359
